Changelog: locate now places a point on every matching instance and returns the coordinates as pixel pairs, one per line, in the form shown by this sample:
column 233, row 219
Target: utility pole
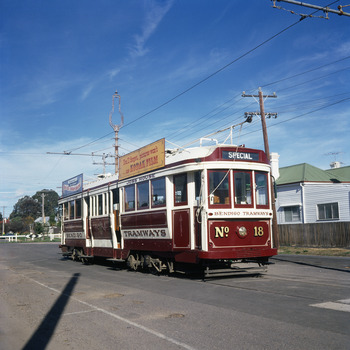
column 267, row 151
column 116, row 129
column 104, row 163
column 42, row 207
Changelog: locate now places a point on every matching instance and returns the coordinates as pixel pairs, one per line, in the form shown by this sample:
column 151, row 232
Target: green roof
column 342, row 173
column 308, row 173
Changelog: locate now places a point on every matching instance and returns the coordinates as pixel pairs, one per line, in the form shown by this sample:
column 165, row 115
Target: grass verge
column 314, row 251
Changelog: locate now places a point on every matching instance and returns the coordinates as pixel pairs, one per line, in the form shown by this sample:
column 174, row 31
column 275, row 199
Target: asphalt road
column 46, row 302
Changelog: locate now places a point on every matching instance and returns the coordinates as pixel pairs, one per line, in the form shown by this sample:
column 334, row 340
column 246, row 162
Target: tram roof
column 179, row 154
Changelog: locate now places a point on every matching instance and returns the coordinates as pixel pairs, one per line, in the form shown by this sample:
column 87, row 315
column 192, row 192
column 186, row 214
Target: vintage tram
column 208, row 207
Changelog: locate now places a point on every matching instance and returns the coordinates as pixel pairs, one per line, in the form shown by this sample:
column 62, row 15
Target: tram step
column 116, row 260
column 66, row 254
column 234, row 271
column 86, row 256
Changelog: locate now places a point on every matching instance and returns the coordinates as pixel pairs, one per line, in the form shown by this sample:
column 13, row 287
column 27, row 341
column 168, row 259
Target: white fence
column 15, row 237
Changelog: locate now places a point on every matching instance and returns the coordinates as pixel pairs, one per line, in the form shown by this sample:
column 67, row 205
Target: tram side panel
column 74, row 236
column 101, row 235
column 146, row 231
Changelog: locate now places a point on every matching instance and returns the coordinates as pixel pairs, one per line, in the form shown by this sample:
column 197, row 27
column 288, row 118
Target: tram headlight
column 242, row 231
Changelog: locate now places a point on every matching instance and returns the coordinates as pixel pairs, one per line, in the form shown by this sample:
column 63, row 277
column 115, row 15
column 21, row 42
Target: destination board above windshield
column 248, row 156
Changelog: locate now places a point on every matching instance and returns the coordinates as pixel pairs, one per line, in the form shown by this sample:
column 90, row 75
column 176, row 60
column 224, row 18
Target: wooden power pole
column 267, row 151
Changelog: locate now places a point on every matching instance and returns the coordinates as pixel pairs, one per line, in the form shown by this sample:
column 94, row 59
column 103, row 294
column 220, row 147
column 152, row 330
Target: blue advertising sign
column 72, row 186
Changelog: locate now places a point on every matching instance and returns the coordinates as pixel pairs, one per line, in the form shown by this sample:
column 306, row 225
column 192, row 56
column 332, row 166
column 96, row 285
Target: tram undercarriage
column 156, row 265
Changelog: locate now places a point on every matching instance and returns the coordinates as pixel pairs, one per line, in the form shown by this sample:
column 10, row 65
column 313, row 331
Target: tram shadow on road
column 44, row 332
column 300, row 260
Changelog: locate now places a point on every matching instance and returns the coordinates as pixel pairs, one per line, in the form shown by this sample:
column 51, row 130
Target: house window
column 328, row 211
column 292, row 213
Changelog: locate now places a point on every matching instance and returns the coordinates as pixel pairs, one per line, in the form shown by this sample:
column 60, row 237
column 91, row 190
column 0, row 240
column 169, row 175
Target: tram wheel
column 132, row 263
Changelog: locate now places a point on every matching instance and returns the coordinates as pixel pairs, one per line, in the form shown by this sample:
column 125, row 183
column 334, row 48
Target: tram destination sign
column 145, row 159
column 248, row 156
column 72, row 186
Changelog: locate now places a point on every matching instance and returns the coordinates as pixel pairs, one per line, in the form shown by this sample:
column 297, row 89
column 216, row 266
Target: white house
column 306, row 194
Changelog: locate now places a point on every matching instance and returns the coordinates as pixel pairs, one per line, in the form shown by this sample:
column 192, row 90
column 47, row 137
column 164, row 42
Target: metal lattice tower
column 116, row 128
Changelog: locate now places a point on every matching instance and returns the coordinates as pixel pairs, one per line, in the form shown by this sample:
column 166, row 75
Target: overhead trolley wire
column 214, row 73
column 201, row 81
column 305, row 72
column 302, row 115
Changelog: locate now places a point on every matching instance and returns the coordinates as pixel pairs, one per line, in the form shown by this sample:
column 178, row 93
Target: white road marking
column 77, row 312
column 93, row 307
column 339, row 305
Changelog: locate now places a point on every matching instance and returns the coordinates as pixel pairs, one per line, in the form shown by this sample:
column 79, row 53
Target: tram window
column 243, row 192
column 158, row 192
column 219, row 187
column 71, row 209
column 180, row 187
column 115, row 193
column 143, row 195
column 106, row 208
column 129, row 197
column 261, row 189
column 100, row 204
column 78, row 209
column 197, row 182
column 65, row 211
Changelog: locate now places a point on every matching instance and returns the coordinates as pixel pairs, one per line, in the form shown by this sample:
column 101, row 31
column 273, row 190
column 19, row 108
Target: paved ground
column 46, row 302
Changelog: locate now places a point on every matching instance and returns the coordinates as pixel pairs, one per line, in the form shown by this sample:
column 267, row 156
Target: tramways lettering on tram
column 146, row 233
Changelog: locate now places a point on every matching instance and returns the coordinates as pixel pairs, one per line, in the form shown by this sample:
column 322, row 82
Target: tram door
column 116, row 216
column 186, row 191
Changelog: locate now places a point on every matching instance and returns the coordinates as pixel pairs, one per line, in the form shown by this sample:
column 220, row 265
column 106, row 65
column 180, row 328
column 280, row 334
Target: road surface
column 47, row 302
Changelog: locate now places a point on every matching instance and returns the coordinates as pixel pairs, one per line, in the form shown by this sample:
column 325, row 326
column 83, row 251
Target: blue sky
column 62, row 61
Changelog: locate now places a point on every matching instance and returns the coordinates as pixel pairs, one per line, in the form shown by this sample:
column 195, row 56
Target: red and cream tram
column 208, row 206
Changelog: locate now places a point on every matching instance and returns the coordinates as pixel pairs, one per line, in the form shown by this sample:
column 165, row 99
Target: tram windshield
column 219, row 187
column 243, row 191
column 244, row 183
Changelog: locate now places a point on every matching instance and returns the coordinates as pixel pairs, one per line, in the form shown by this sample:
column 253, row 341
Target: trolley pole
column 267, row 151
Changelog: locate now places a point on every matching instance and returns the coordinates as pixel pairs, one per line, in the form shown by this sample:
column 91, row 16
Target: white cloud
column 153, row 17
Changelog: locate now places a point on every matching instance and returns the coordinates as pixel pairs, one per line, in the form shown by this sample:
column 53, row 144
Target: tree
column 38, row 228
column 16, row 225
column 50, row 201
column 26, row 206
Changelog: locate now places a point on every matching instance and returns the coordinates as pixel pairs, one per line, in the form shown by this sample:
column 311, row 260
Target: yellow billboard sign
column 145, row 159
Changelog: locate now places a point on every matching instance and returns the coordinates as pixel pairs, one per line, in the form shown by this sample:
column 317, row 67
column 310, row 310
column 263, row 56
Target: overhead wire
column 201, row 81
column 302, row 115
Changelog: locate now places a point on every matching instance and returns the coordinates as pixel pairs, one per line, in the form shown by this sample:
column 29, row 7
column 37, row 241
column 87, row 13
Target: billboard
column 72, row 186
column 145, row 159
